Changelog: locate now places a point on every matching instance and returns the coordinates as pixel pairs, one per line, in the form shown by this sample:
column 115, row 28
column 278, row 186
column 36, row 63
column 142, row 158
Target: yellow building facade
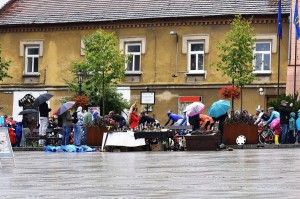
column 165, row 50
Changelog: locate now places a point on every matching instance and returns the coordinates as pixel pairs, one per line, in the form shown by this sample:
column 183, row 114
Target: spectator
column 284, row 112
column 206, row 122
column 44, row 119
column 67, row 124
column 221, row 119
column 298, row 127
column 133, row 119
column 292, row 126
column 146, row 119
column 117, row 119
column 78, row 123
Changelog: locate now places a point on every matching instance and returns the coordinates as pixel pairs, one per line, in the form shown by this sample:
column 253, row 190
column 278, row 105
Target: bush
column 290, row 98
column 240, row 118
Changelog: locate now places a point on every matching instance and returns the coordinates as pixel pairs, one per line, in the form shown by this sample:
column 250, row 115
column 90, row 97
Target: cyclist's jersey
column 274, row 115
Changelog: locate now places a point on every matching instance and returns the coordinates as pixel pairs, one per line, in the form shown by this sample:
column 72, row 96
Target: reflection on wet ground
column 247, row 173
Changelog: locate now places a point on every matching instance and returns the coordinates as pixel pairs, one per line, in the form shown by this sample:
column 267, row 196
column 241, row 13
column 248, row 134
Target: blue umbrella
column 219, row 108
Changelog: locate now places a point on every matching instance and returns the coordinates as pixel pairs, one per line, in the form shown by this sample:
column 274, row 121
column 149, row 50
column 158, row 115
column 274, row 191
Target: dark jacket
column 44, row 110
column 146, row 118
column 284, row 114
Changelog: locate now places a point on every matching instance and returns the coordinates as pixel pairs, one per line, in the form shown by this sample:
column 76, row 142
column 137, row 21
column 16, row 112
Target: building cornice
column 133, row 24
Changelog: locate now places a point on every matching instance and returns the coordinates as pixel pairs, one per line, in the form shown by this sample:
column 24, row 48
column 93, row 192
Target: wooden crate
column 203, row 142
column 232, row 131
column 155, row 147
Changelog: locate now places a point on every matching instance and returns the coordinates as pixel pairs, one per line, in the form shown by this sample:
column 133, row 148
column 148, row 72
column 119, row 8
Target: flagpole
column 278, row 66
column 279, row 36
column 295, row 68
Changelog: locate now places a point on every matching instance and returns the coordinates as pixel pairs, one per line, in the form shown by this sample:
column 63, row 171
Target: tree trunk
column 241, row 99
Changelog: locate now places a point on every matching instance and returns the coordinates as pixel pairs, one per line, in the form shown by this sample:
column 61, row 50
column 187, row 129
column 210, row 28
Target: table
column 54, row 136
column 160, row 135
column 119, row 138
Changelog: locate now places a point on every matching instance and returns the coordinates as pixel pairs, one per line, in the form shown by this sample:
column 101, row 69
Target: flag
column 296, row 21
column 279, row 20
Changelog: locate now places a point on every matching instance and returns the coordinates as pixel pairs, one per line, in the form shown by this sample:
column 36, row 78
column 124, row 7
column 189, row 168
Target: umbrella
column 28, row 111
column 194, row 108
column 219, row 108
column 42, row 98
column 66, row 106
column 9, row 121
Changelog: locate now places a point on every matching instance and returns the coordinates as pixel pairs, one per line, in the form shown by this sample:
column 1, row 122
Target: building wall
column 62, row 47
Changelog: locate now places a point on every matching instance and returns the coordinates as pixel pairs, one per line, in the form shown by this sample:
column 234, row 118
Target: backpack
column 265, row 117
column 75, row 118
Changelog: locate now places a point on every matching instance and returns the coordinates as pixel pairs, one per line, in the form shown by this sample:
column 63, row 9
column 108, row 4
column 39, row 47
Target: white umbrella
column 194, row 108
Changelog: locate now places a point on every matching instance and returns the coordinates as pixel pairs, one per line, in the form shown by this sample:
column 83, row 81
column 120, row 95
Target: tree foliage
column 103, row 69
column 3, row 68
column 236, row 55
column 289, row 98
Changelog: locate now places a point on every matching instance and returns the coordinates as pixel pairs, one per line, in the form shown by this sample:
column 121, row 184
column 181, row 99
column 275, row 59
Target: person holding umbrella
column 44, row 119
column 64, row 114
column 41, row 102
column 67, row 124
column 218, row 111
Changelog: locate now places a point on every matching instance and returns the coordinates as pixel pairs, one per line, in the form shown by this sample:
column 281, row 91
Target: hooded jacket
column 292, row 122
column 298, row 122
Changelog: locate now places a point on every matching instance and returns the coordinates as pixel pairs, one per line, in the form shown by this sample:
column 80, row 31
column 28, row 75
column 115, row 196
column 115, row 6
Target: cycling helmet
column 271, row 109
column 258, row 110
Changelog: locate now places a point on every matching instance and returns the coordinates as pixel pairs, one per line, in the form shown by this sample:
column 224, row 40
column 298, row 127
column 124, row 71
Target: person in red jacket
column 133, row 118
column 12, row 136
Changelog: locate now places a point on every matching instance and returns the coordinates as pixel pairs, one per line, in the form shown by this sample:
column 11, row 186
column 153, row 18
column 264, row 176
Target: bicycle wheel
column 261, row 138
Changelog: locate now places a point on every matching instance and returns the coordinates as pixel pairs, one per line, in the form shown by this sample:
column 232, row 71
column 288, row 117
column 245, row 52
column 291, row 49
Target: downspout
column 155, row 66
column 289, row 42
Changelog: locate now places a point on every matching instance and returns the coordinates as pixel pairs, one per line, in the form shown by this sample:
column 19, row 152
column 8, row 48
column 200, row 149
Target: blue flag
column 279, row 20
column 296, row 21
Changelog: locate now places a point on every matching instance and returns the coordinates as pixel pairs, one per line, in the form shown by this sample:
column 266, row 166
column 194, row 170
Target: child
column 298, row 126
column 292, row 126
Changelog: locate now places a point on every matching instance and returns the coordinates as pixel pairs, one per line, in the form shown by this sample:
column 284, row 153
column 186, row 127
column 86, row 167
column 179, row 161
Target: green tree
column 236, row 54
column 4, row 67
column 103, row 69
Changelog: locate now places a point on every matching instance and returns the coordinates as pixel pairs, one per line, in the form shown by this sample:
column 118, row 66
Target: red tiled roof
column 20, row 12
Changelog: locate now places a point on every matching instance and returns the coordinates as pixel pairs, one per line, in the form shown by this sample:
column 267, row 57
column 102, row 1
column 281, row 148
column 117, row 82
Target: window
column 31, row 59
column 262, row 61
column 196, row 57
column 134, row 64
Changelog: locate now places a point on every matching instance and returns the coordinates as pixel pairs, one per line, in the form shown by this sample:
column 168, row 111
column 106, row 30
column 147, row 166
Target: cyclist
column 172, row 117
column 262, row 117
column 274, row 122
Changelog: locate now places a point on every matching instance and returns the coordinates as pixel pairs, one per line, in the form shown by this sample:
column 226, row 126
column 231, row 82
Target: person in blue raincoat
column 298, row 127
column 172, row 117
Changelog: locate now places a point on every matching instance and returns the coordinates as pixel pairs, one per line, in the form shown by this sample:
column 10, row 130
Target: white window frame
column 33, row 57
column 263, row 53
column 133, row 54
column 197, row 53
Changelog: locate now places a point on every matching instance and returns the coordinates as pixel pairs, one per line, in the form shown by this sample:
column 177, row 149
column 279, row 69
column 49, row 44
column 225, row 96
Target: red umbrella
column 55, row 112
column 9, row 121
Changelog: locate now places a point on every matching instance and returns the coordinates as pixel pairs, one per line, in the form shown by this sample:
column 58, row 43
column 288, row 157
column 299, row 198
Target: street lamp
column 80, row 78
column 175, row 33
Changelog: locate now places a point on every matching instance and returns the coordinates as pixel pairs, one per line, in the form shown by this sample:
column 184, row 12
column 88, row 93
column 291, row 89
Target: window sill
column 267, row 73
column 196, row 77
column 196, row 74
column 133, row 73
column 31, row 74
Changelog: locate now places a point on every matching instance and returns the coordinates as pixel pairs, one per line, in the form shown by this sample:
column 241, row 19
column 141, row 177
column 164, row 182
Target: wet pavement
column 246, row 173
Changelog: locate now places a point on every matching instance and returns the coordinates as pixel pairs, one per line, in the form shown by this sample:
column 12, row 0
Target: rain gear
column 298, row 122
